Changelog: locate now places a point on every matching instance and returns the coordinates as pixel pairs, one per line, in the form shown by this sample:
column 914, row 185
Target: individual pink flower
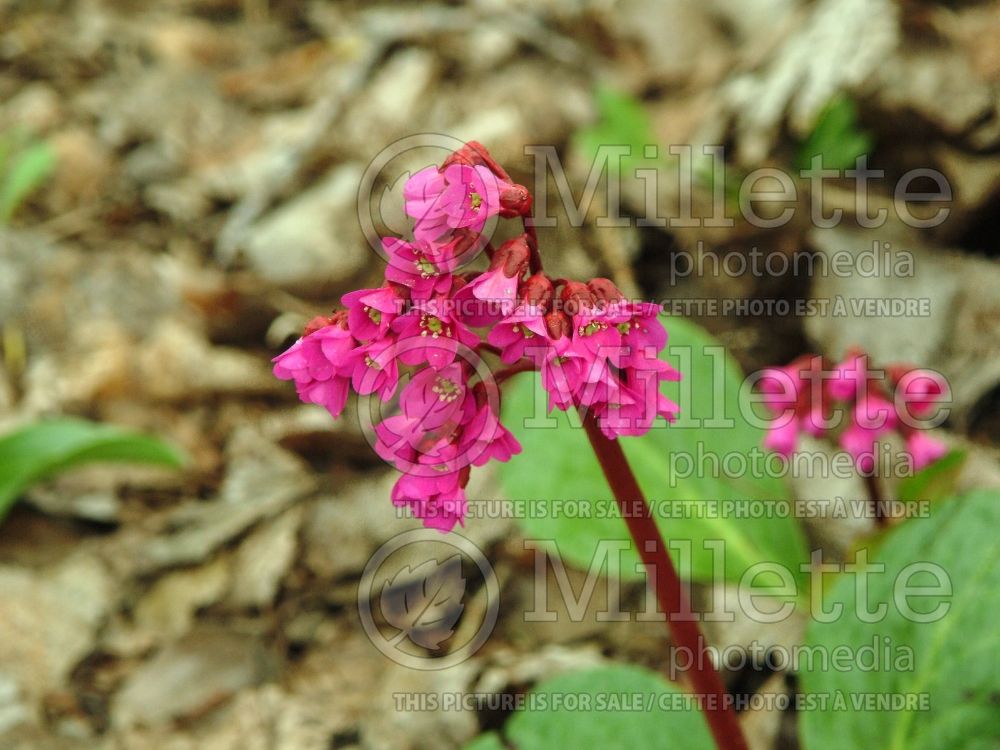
column 374, row 368
column 313, row 363
column 484, row 438
column 370, row 311
column 440, row 510
column 783, row 437
column 924, row 449
column 918, row 390
column 875, row 412
column 862, row 444
column 524, row 327
column 848, row 376
column 873, row 418
column 460, row 196
column 397, row 438
column 781, row 387
column 797, row 404
column 431, row 332
column 500, row 282
column 434, row 397
column 635, row 407
column 599, row 382
column 643, row 334
column 562, row 377
column 424, row 269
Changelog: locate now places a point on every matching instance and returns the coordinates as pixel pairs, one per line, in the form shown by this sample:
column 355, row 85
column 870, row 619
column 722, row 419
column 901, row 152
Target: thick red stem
column 684, row 633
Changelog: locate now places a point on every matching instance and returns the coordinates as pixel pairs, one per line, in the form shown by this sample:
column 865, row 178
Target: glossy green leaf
column 561, row 495
column 41, row 450
column 953, row 652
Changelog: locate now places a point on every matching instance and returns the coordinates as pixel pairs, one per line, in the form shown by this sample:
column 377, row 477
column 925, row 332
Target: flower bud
column 317, row 323
column 558, row 324
column 515, row 200
column 537, row 290
column 462, row 241
column 512, row 256
column 604, row 290
column 575, row 297
column 471, row 154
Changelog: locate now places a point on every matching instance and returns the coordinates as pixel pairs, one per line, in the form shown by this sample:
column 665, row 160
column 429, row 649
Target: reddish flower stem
column 705, row 680
column 535, row 261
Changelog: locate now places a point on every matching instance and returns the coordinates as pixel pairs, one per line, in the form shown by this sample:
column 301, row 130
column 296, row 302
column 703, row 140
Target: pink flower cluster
column 431, row 319
column 807, row 396
column 596, row 351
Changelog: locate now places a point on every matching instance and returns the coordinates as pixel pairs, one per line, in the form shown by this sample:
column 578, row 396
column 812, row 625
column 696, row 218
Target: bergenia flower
column 460, row 196
column 374, row 368
column 924, row 449
column 316, row 364
column 431, row 332
column 872, row 407
column 595, row 350
column 370, row 311
column 501, row 281
column 524, row 327
column 434, row 397
column 420, row 266
column 917, row 390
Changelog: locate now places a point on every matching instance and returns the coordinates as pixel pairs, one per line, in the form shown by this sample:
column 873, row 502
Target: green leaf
column 488, row 741
column 24, row 171
column 933, row 482
column 41, row 450
column 838, row 137
column 558, row 465
column 954, row 656
column 615, row 706
column 623, row 122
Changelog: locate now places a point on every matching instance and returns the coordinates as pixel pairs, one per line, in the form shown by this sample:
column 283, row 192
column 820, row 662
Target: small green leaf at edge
column 28, row 169
column 40, row 450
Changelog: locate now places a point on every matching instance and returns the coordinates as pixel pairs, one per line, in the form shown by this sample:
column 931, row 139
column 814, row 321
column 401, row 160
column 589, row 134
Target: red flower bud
column 474, row 154
column 515, row 201
column 575, row 295
column 462, row 242
column 471, row 154
column 604, row 290
column 537, row 290
column 512, row 256
column 317, row 323
column 558, row 324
